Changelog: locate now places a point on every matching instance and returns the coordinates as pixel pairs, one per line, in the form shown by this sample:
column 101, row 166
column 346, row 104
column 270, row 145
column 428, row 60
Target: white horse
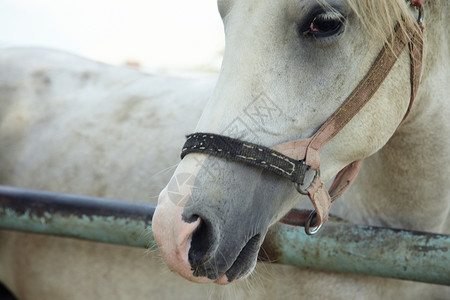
column 75, row 126
column 288, row 66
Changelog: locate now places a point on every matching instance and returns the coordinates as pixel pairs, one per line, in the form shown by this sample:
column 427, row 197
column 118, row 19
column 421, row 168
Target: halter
column 299, row 160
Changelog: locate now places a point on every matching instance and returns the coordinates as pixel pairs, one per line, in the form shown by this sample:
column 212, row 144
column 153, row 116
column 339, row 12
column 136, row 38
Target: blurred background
column 176, row 36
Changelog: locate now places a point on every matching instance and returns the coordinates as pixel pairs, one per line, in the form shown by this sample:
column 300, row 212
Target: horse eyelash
column 324, row 15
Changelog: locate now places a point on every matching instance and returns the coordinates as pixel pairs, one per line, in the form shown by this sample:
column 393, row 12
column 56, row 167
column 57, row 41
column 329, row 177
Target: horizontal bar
column 357, row 249
column 90, row 218
column 340, row 246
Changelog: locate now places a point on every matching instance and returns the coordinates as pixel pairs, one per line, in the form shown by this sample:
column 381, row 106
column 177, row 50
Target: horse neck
column 405, row 184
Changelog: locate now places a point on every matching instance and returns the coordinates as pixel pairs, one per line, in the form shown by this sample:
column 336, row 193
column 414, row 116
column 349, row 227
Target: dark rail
column 340, row 246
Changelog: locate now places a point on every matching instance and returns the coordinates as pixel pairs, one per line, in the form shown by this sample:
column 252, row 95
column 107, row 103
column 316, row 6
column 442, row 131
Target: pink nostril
column 183, row 237
column 174, row 234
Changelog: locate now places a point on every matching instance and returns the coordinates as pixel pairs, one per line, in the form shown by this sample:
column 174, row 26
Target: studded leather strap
column 246, row 152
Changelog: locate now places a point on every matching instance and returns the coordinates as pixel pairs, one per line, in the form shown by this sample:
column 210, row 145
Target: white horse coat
column 75, row 126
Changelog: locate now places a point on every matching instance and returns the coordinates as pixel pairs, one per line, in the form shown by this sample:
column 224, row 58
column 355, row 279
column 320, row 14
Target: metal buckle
column 312, row 230
column 300, row 187
column 304, row 191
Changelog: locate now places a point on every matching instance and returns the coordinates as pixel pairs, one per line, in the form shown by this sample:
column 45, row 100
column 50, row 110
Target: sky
column 162, row 35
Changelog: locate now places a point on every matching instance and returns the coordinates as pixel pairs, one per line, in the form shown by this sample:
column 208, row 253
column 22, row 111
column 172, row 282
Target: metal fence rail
column 340, row 246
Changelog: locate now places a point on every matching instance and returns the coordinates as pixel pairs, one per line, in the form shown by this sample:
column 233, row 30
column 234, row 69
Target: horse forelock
column 378, row 17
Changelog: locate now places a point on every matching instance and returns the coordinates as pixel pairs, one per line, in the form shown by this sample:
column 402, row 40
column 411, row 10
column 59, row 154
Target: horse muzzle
column 202, row 246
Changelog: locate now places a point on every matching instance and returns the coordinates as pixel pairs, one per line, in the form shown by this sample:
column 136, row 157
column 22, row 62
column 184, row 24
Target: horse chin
column 223, row 280
column 238, row 267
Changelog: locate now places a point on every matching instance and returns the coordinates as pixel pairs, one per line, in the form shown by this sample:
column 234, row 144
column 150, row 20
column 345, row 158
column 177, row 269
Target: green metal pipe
column 340, row 246
column 375, row 251
column 89, row 218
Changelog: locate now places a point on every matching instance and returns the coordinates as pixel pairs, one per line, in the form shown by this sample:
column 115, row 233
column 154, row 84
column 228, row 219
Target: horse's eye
column 324, row 25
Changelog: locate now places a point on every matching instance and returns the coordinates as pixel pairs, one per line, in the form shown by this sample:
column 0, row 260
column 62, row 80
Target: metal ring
column 312, row 230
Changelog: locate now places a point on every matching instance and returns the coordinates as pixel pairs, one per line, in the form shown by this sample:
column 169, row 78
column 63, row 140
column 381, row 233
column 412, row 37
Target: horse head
column 288, row 66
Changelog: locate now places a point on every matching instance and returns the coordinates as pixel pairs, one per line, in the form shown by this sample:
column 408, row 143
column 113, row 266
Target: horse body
column 61, row 114
column 76, row 126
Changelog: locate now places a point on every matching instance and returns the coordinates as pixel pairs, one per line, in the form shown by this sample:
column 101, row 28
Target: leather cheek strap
column 308, row 149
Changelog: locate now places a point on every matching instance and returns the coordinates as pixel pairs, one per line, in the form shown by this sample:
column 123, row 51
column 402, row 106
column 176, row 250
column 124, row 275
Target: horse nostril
column 191, row 219
column 201, row 252
column 199, row 244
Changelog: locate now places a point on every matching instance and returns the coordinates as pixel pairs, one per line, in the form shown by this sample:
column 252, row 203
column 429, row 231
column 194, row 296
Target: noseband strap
column 256, row 155
column 294, row 159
